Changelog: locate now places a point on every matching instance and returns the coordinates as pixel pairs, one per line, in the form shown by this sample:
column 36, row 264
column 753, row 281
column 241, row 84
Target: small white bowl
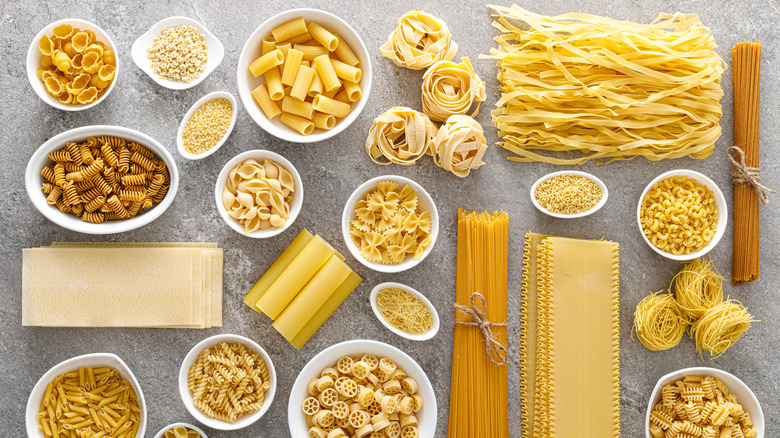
column 94, row 360
column 33, row 179
column 247, row 82
column 736, row 386
column 161, row 433
column 435, row 316
column 602, row 186
column 259, row 155
column 216, row 52
column 425, row 203
column 198, row 104
column 720, row 201
column 34, row 58
column 190, row 359
column 329, row 356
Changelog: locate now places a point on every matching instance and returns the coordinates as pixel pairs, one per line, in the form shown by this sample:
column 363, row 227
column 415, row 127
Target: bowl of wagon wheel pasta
column 682, row 214
column 101, row 179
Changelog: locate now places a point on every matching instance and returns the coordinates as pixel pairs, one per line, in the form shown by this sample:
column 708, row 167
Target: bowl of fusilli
column 227, row 382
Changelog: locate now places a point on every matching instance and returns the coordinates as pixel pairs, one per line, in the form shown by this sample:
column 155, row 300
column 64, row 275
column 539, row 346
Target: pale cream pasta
column 451, row 89
column 459, row 145
column 181, row 432
column 419, row 41
column 258, row 195
column 400, row 135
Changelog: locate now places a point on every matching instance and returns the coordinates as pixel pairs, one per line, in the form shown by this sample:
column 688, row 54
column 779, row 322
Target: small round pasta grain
column 207, row 126
column 568, row 194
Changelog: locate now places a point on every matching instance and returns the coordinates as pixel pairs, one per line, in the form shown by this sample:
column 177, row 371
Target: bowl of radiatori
column 259, row 193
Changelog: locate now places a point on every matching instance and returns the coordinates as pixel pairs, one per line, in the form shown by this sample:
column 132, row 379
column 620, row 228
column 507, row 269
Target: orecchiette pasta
column 367, row 410
column 459, row 145
column 388, row 226
column 75, row 67
column 451, row 89
column 679, row 215
column 228, row 381
column 418, row 41
column 258, row 195
column 400, row 135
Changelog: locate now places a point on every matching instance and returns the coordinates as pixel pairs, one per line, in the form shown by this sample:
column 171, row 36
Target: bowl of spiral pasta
column 362, row 387
column 72, row 64
column 703, row 402
column 682, row 214
column 227, row 382
column 101, row 179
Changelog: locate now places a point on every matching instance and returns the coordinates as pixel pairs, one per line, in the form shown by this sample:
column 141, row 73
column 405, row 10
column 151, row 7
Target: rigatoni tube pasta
column 312, row 77
column 451, row 89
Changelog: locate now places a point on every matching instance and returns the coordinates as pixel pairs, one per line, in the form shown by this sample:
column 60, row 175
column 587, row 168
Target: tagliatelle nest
column 418, row 41
column 459, row 145
column 450, row 89
column 400, row 135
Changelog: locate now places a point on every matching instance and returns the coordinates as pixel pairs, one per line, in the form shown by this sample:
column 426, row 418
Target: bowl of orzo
column 569, row 194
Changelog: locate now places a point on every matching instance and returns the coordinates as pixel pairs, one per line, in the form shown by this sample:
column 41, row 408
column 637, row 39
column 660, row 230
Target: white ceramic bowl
column 720, row 201
column 34, row 58
column 425, row 203
column 602, row 186
column 329, row 356
column 736, row 386
column 33, row 179
column 161, row 433
column 190, row 359
column 435, row 316
column 247, row 82
column 94, row 360
column 215, row 51
column 259, row 155
column 198, row 104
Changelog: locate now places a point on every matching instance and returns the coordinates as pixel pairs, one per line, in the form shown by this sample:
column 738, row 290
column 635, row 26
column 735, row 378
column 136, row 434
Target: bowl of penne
column 304, row 75
column 115, row 402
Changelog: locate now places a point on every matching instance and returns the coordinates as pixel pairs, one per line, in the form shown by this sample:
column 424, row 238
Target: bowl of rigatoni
column 304, row 75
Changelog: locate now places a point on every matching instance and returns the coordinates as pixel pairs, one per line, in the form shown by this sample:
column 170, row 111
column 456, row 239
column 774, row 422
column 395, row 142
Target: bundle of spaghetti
column 720, row 327
column 570, row 368
column 659, row 321
column 698, row 287
column 478, row 398
column 611, row 90
column 746, row 260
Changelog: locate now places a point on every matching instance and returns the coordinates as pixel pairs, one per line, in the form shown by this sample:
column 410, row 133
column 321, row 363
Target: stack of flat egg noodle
column 591, row 87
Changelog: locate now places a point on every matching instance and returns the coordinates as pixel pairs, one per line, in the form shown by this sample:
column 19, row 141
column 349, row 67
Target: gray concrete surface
column 330, row 171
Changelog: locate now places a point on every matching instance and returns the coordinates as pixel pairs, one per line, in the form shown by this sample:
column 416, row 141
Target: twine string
column 741, row 173
column 496, row 352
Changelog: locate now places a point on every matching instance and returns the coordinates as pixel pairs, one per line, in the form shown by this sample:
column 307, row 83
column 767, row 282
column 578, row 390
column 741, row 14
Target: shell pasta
column 311, row 77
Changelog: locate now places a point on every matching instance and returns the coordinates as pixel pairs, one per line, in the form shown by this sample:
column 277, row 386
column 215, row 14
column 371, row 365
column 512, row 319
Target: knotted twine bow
column 496, row 352
column 741, row 173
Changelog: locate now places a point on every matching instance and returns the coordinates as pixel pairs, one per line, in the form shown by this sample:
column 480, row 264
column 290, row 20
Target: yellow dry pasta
column 351, row 405
column 459, row 145
column 568, row 194
column 659, row 322
column 418, row 41
column 404, row 311
column 625, row 89
column 698, row 287
column 400, row 135
column 179, row 53
column 75, row 68
column 228, row 381
column 258, row 195
column 717, row 413
column 720, row 326
column 181, row 432
column 207, row 125
column 91, row 402
column 679, row 215
column 388, row 225
column 451, row 89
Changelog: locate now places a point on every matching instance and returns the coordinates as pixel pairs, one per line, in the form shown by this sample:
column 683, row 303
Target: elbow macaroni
column 679, row 215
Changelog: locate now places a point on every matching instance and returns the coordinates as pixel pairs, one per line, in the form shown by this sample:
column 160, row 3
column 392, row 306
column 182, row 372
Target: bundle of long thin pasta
column 612, row 90
column 746, row 78
column 478, row 398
